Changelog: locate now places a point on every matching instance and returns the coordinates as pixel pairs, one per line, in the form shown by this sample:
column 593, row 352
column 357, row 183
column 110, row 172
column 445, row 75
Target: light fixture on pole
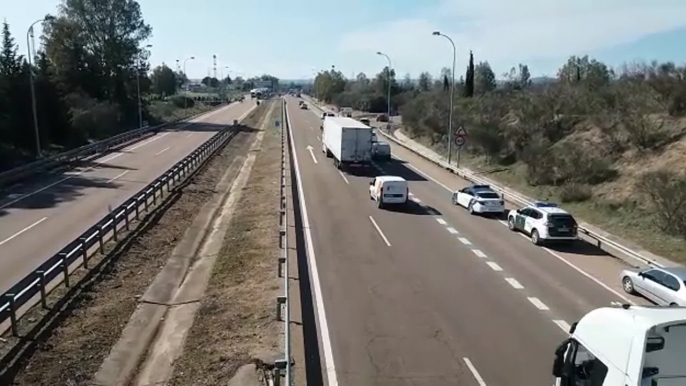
column 390, row 65
column 452, row 93
column 185, row 99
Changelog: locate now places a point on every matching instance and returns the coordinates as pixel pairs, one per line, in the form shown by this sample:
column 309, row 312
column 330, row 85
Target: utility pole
column 29, row 34
column 452, row 92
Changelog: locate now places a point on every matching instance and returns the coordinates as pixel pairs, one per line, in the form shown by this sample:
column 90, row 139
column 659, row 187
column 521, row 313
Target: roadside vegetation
column 87, row 81
column 608, row 143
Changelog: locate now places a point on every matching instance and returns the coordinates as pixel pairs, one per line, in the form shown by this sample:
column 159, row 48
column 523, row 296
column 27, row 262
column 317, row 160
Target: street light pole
column 185, row 99
column 452, row 93
column 29, row 33
column 138, row 87
column 389, row 85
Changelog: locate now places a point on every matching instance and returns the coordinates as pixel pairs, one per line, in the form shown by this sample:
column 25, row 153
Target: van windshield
column 487, row 195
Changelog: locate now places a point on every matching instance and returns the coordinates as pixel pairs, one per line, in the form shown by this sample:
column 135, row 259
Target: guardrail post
column 137, row 208
column 154, row 195
column 101, row 240
column 145, row 197
column 41, row 284
column 84, row 252
column 114, row 225
column 13, row 314
column 280, row 301
column 65, row 269
column 126, row 216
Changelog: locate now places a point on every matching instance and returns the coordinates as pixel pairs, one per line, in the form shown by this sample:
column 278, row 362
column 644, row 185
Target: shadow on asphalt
column 28, row 195
column 411, row 207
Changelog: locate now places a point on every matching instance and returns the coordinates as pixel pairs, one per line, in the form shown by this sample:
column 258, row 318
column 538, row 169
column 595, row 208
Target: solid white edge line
column 514, row 283
column 479, row 253
column 475, row 373
column 22, row 231
column 330, row 368
column 464, row 241
column 581, row 271
column 494, row 266
column 429, row 177
column 383, row 236
column 564, row 326
column 538, row 303
column 117, row 176
column 155, row 138
column 34, row 192
column 344, row 179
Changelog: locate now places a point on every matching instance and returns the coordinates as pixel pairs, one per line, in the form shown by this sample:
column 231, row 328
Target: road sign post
column 460, row 140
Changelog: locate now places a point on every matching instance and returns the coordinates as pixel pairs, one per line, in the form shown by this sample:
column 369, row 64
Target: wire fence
column 110, row 227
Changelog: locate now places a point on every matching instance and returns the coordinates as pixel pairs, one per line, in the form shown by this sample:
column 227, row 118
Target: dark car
column 382, row 118
column 303, row 107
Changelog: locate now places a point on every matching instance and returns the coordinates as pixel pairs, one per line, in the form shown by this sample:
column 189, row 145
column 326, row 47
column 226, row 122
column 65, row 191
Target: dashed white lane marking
column 538, row 304
column 117, row 176
column 398, row 158
column 415, row 199
column 429, row 177
column 503, row 222
column 380, row 232
column 475, row 373
column 155, row 138
column 441, row 221
column 452, row 230
column 190, row 135
column 464, row 241
column 581, row 271
column 411, row 194
column 318, row 138
column 479, row 253
column 514, row 283
column 563, row 325
column 162, row 151
column 432, row 212
column 22, row 231
column 344, row 179
column 494, row 266
column 310, row 149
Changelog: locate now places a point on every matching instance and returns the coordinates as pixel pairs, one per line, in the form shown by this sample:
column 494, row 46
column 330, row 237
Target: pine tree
column 469, row 78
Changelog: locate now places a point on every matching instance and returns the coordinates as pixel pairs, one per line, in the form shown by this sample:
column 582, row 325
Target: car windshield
column 487, row 195
column 562, row 220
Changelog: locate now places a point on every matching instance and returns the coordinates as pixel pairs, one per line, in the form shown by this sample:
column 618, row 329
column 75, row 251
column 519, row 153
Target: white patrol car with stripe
column 543, row 221
column 479, row 199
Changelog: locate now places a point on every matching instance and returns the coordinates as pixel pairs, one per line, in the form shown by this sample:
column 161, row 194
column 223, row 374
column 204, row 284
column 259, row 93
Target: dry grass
column 236, row 321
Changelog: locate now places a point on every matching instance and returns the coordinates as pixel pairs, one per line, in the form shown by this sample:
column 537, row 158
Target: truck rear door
column 353, row 146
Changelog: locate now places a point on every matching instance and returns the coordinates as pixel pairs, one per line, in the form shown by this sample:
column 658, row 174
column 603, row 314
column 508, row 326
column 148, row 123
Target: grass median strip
column 235, row 324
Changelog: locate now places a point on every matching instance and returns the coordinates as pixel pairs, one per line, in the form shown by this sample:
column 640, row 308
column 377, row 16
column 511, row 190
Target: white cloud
column 506, row 32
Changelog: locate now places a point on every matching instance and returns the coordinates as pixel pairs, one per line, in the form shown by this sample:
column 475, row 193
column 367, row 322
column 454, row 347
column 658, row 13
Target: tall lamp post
column 390, row 65
column 29, row 34
column 185, row 99
column 138, row 87
column 452, row 92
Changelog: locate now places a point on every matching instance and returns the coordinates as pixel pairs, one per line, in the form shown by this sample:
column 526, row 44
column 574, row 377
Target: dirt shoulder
column 235, row 324
column 71, row 351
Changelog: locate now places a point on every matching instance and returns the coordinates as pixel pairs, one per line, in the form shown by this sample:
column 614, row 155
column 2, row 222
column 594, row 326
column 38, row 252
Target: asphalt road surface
column 428, row 294
column 38, row 219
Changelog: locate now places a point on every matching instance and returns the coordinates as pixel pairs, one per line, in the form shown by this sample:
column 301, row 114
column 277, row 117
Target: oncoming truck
column 347, row 141
column 624, row 346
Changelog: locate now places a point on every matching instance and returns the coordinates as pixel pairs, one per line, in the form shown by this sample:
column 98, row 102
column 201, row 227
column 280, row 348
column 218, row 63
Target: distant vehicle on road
column 544, row 221
column 382, row 118
column 303, row 106
column 365, row 121
column 381, row 151
column 628, row 345
column 664, row 286
column 388, row 190
column 347, row 141
column 346, row 112
column 479, row 199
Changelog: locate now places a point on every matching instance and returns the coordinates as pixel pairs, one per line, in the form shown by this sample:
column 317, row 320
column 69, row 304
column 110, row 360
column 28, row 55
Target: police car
column 544, row 221
column 479, row 199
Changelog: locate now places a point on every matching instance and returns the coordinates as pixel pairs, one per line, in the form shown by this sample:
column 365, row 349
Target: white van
column 388, row 190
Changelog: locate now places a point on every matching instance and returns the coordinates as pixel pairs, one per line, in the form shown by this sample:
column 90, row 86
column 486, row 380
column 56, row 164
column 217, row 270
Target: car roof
column 679, row 272
column 391, row 179
column 549, row 210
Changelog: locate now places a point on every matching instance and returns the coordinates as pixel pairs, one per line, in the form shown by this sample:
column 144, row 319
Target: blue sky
column 290, row 38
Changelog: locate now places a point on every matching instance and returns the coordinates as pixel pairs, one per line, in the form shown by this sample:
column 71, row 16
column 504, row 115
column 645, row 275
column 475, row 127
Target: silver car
column 664, row 286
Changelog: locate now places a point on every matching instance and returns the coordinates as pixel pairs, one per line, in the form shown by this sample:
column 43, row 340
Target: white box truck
column 347, row 141
column 627, row 346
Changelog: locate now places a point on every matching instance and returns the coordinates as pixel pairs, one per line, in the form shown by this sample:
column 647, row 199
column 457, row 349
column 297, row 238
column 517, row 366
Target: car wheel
column 511, row 224
column 535, row 238
column 379, row 203
column 628, row 285
column 471, row 209
column 673, row 305
column 454, row 199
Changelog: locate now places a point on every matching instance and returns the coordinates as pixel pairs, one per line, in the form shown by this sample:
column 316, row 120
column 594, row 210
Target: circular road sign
column 460, row 141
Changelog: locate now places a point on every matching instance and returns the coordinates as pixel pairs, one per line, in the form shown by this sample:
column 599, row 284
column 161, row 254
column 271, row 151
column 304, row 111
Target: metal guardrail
column 516, row 198
column 109, row 227
column 283, row 301
column 78, row 154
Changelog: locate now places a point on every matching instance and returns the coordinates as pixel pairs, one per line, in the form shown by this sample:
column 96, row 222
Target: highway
column 38, row 219
column 428, row 294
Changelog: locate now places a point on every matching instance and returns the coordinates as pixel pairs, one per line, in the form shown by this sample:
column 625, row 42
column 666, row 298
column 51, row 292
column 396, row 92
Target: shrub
column 575, row 193
column 181, row 101
column 667, row 192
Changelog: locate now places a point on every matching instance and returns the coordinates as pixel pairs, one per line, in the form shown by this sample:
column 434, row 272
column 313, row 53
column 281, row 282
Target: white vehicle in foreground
column 543, row 221
column 388, row 190
column 479, row 199
column 624, row 346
